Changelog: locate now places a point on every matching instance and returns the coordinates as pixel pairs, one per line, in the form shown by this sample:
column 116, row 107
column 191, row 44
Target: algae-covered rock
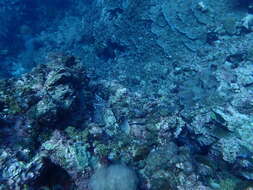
column 164, row 165
column 72, row 158
column 47, row 93
column 16, row 173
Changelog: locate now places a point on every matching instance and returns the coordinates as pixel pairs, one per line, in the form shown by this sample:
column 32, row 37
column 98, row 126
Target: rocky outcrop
column 51, row 96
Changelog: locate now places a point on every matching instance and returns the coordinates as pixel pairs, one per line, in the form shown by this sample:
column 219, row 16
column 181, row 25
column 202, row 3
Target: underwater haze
column 126, row 95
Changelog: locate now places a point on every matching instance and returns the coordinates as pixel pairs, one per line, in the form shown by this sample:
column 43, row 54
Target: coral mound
column 114, row 177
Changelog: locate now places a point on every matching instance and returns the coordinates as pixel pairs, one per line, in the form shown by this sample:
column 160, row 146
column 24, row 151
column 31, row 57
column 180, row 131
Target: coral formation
column 114, row 177
column 91, row 89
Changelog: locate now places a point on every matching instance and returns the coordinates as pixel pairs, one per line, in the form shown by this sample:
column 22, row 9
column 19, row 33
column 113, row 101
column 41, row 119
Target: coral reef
column 161, row 87
column 98, row 123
